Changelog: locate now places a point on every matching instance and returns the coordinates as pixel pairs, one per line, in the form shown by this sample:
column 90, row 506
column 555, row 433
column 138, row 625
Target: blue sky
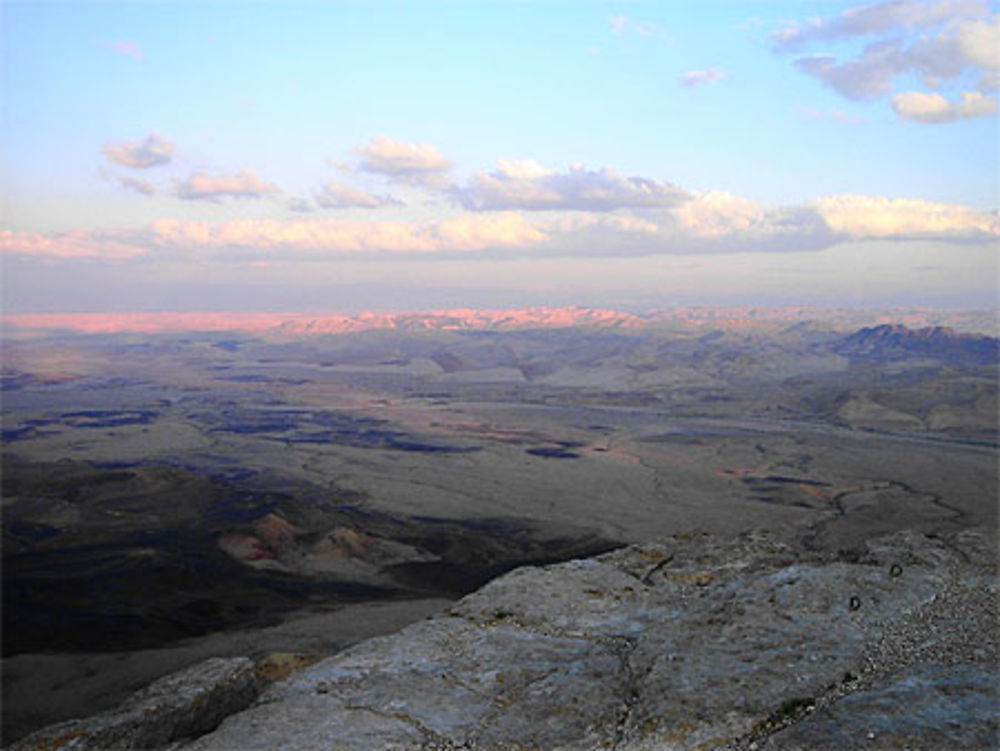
column 193, row 155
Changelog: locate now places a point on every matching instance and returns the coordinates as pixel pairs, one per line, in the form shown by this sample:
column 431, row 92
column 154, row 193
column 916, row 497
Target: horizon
column 694, row 317
column 394, row 156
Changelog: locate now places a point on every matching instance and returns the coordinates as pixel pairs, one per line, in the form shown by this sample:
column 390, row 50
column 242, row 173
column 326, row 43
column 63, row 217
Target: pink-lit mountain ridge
column 326, row 323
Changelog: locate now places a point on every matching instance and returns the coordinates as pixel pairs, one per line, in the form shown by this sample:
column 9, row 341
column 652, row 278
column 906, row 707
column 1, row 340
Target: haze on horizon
column 345, row 156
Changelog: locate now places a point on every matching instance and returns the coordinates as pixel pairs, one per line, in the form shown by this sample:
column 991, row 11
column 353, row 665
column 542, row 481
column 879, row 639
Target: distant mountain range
column 895, row 341
column 772, row 319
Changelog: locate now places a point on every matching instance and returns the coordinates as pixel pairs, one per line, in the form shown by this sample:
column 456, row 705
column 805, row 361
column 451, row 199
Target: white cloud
column 460, row 233
column 868, row 217
column 934, row 108
column 152, row 151
column 979, row 42
column 529, row 186
column 403, row 162
column 693, row 78
column 714, row 222
column 339, row 196
column 203, row 187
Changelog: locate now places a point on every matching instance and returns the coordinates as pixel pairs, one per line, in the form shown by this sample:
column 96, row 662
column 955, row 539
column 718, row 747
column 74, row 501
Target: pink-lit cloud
column 403, row 162
column 204, row 187
column 934, row 108
column 152, row 151
column 75, row 243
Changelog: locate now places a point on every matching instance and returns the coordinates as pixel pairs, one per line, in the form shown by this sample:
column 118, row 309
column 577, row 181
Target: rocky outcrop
column 182, row 705
column 691, row 643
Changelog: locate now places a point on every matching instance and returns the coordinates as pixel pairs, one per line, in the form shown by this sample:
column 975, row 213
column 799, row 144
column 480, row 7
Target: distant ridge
column 729, row 318
column 893, row 341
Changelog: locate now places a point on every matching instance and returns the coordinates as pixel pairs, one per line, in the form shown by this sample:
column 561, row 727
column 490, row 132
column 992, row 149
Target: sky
column 343, row 156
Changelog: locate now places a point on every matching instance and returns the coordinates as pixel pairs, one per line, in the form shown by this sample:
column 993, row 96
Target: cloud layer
column 712, row 222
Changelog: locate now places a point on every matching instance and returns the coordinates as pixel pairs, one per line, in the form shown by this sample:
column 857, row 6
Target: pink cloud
column 203, row 187
column 152, row 151
column 76, row 243
column 417, row 163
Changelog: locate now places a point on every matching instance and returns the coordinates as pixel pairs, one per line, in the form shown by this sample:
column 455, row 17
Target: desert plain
column 174, row 491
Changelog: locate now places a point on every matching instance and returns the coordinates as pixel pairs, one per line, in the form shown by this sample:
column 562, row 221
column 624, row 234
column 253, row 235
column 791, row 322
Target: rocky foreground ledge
column 694, row 642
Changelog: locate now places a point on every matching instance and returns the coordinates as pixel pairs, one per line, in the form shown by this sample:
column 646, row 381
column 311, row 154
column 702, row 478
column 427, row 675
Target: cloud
column 879, row 18
column 124, row 47
column 300, row 205
column 867, row 217
column 934, row 108
column 938, row 41
column 719, row 222
column 979, row 42
column 461, row 233
column 139, row 186
column 76, row 243
column 714, row 222
column 402, row 162
column 868, row 76
column 152, row 151
column 694, row 78
column 339, row 196
column 244, row 184
column 525, row 184
column 989, row 81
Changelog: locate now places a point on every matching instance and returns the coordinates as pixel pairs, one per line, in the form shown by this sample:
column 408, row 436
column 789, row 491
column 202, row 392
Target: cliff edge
column 694, row 642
